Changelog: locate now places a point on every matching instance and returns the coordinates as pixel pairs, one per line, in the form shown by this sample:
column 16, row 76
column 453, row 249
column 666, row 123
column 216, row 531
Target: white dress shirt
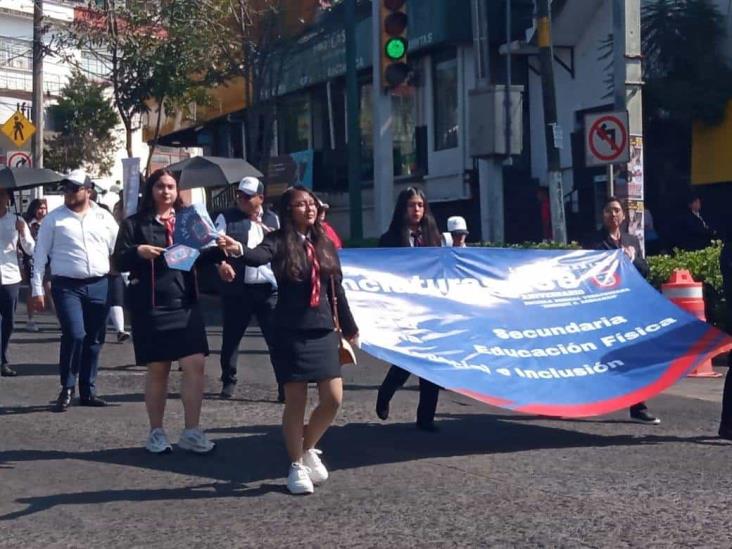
column 252, row 275
column 9, row 237
column 77, row 245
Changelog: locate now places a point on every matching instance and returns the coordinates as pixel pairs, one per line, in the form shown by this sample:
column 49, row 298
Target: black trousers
column 256, row 300
column 428, row 393
column 8, row 302
column 727, row 401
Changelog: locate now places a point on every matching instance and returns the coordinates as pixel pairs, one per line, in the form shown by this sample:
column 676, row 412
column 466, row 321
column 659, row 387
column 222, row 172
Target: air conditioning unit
column 487, row 121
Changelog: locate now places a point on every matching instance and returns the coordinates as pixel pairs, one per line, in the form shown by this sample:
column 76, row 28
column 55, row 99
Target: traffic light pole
column 354, row 130
column 382, row 133
column 554, row 175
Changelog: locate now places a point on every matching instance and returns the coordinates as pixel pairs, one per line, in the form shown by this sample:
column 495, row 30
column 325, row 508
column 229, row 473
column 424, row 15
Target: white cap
column 79, row 178
column 251, row 186
column 457, row 224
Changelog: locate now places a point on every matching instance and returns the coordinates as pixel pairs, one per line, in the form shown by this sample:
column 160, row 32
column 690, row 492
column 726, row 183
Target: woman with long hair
column 306, row 265
column 412, row 225
column 167, row 324
column 37, row 210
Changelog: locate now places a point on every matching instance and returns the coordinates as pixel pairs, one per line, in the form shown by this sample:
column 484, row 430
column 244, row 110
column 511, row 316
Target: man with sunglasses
column 77, row 239
column 245, row 291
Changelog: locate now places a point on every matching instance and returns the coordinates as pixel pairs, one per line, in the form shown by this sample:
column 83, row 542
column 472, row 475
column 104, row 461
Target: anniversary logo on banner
column 193, row 227
column 565, row 333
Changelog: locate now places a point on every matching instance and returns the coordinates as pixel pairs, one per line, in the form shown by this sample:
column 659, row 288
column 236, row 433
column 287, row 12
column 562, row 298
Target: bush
column 702, row 264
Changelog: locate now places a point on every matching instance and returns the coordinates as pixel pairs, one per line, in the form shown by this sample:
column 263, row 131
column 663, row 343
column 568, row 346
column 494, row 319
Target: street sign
column 606, row 139
column 18, row 128
column 19, row 159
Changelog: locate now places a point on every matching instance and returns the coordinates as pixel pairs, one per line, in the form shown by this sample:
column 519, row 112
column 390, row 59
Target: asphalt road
column 488, row 479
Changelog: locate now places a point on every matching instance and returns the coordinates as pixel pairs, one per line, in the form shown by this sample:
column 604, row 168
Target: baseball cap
column 457, row 224
column 77, row 178
column 251, row 186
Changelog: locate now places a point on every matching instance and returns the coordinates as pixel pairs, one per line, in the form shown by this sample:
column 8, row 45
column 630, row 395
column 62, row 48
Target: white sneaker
column 157, row 442
column 298, row 480
column 194, row 440
column 311, row 460
column 31, row 326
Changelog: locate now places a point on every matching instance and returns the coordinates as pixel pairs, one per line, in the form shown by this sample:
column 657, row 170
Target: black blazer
column 601, row 240
column 153, row 283
column 395, row 240
column 293, row 309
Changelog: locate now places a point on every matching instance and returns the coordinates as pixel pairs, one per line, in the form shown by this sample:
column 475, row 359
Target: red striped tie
column 314, row 274
column 169, row 223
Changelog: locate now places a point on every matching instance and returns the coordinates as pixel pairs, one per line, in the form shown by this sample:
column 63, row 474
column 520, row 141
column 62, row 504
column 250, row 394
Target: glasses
column 304, row 204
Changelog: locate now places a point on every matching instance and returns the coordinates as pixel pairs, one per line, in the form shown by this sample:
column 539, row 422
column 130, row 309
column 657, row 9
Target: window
column 16, row 54
column 294, row 124
column 96, row 65
column 445, row 90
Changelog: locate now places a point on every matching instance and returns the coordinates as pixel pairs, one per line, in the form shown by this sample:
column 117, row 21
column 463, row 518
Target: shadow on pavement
column 36, row 369
column 253, row 454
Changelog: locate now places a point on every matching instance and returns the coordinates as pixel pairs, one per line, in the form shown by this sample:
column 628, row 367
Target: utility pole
column 552, row 131
column 37, row 108
column 628, row 72
column 354, row 130
column 490, row 171
column 383, row 133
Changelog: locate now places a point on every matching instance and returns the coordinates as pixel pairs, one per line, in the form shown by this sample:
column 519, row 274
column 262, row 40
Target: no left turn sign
column 606, row 139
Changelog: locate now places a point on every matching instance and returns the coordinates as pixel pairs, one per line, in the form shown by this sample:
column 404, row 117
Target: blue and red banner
column 562, row 333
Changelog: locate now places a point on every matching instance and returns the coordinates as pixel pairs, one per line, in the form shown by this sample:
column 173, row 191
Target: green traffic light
column 396, row 48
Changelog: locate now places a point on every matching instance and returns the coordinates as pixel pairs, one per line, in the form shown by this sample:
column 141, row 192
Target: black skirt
column 116, row 291
column 167, row 334
column 305, row 355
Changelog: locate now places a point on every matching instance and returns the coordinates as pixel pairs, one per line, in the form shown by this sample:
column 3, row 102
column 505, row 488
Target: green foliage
column 85, row 122
column 544, row 245
column 702, row 264
column 687, row 76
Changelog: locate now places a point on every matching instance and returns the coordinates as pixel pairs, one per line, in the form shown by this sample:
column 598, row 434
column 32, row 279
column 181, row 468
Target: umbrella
column 25, row 178
column 211, row 171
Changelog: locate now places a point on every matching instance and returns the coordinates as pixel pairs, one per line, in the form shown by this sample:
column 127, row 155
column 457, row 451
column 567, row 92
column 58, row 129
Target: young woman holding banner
column 412, row 225
column 167, row 323
column 613, row 237
column 306, row 266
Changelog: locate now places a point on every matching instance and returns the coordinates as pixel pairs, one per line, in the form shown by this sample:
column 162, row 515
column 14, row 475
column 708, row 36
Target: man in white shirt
column 78, row 239
column 245, row 291
column 13, row 229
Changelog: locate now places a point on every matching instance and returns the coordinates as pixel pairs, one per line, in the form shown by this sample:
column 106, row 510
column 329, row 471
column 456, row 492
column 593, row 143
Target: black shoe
column 63, row 401
column 725, row 432
column 428, row 426
column 93, row 401
column 122, row 337
column 7, row 371
column 227, row 391
column 643, row 416
column 382, row 407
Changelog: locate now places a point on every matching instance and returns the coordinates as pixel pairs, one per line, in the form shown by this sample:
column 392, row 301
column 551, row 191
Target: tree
column 155, row 52
column 85, row 122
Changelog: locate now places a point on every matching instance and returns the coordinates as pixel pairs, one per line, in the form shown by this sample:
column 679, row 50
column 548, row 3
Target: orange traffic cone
column 684, row 292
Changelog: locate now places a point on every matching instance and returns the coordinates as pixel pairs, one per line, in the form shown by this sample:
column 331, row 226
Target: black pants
column 258, row 300
column 8, row 302
column 727, row 401
column 428, row 393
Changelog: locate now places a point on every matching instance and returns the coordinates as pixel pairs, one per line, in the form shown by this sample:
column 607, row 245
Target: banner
column 193, row 227
column 130, row 185
column 561, row 333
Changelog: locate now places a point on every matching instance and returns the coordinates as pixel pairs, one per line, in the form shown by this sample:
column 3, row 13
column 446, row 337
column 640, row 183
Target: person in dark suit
column 167, row 323
column 613, row 237
column 725, row 264
column 693, row 233
column 412, row 225
column 305, row 348
column 245, row 291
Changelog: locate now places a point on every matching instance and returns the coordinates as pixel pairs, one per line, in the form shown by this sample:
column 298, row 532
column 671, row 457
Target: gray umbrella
column 211, row 171
column 24, row 178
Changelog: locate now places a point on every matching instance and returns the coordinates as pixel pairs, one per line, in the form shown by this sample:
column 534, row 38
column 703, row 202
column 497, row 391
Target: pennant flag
column 561, row 333
column 193, row 227
column 181, row 257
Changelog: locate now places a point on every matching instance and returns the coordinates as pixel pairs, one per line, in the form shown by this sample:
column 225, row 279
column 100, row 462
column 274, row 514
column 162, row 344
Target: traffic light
column 394, row 67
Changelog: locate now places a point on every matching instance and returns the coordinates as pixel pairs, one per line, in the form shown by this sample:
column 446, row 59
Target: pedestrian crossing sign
column 18, row 128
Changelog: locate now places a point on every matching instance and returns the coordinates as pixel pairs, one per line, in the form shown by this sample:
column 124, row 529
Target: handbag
column 346, row 354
